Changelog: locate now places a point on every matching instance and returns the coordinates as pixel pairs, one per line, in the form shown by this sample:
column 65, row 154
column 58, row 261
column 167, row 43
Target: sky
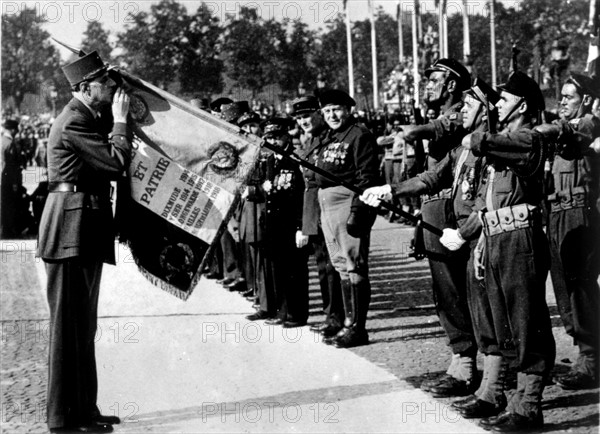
column 67, row 20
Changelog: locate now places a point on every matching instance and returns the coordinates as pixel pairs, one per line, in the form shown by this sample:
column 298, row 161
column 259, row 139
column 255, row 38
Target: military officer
column 309, row 119
column 573, row 227
column 287, row 267
column 85, row 152
column 516, row 251
column 349, row 151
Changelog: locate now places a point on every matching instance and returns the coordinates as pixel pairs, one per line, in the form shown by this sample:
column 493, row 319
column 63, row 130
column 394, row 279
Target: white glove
column 267, row 185
column 374, row 195
column 301, row 239
column 245, row 193
column 452, row 239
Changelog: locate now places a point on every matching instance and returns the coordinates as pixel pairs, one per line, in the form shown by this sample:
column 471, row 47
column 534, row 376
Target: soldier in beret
column 85, row 152
column 349, row 151
column 313, row 129
column 514, row 254
column 287, row 264
column 574, row 225
column 460, row 171
column 447, row 80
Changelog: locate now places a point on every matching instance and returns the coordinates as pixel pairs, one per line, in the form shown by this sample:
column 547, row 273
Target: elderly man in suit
column 88, row 147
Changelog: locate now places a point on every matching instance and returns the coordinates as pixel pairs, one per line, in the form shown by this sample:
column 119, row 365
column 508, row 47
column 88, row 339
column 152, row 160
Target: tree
column 201, row 67
column 295, row 52
column 330, row 57
column 247, row 45
column 95, row 38
column 29, row 59
column 155, row 43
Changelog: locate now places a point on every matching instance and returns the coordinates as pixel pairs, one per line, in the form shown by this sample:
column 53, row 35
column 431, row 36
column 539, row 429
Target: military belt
column 510, row 218
column 568, row 199
column 63, row 187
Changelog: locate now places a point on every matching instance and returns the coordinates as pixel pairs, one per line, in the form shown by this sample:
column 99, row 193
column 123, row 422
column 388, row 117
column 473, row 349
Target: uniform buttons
column 506, row 219
column 521, row 214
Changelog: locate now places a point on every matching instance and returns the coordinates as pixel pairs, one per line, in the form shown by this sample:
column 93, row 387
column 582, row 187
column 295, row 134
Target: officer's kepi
column 275, row 127
column 85, row 68
column 305, row 104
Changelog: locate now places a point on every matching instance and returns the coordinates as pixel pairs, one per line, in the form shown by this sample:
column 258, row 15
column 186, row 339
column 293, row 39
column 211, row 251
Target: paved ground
column 199, row 366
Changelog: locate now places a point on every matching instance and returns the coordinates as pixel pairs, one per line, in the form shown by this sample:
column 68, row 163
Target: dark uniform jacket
column 252, row 214
column 576, row 167
column 517, row 159
column 311, row 212
column 350, row 153
column 82, row 150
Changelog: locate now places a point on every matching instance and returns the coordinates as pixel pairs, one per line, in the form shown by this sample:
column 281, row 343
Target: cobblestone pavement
column 406, row 338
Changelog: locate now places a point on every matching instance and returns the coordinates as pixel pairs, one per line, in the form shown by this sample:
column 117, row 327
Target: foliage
column 95, row 38
column 29, row 60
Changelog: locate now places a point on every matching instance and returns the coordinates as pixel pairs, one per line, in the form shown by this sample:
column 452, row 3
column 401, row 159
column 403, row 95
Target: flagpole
column 349, row 45
column 400, row 41
column 493, row 41
column 466, row 35
column 374, row 58
column 445, row 27
column 441, row 28
column 416, row 79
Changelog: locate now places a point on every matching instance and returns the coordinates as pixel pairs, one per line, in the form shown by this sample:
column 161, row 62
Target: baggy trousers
column 73, row 287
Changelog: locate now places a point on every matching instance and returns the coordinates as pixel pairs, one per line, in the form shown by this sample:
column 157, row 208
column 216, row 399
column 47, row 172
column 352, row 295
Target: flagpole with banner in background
column 593, row 61
column 416, row 78
column 400, row 36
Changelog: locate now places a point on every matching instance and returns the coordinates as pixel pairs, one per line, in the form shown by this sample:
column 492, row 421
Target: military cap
column 336, row 97
column 275, row 127
column 305, row 104
column 85, row 68
column 11, row 124
column 232, row 112
column 484, row 93
column 247, row 118
column 521, row 85
column 453, row 66
column 587, row 85
column 216, row 104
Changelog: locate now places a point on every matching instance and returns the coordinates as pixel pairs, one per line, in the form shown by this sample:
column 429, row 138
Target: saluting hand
column 120, row 106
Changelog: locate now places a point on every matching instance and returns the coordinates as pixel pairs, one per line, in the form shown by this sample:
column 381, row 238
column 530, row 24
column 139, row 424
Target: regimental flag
column 186, row 170
column 593, row 60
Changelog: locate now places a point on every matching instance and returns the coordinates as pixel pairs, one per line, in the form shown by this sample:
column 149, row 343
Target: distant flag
column 593, row 61
column 344, row 2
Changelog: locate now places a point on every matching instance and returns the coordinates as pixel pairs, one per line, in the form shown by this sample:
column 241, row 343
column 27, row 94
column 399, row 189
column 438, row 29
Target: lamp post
column 559, row 53
column 53, row 98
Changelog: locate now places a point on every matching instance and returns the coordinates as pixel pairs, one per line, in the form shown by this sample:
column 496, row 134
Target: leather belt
column 510, row 218
column 63, row 187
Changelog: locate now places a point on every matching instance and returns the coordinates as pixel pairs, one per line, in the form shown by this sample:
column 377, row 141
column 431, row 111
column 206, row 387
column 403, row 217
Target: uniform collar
column 94, row 113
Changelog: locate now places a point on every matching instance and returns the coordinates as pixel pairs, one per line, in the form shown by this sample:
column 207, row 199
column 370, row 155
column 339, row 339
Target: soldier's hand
column 595, row 146
column 374, row 195
column 267, row 185
column 245, row 193
column 120, row 106
column 301, row 239
column 451, row 239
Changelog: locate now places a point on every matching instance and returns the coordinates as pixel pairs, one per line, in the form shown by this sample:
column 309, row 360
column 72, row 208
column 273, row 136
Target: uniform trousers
column 349, row 255
column 449, row 280
column 329, row 281
column 480, row 309
column 73, row 287
column 575, row 265
column 515, row 276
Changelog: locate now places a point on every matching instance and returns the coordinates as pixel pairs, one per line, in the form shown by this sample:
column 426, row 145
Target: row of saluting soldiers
column 504, row 227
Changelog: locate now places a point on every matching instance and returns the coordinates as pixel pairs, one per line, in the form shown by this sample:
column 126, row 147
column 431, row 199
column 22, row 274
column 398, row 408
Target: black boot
column 356, row 297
